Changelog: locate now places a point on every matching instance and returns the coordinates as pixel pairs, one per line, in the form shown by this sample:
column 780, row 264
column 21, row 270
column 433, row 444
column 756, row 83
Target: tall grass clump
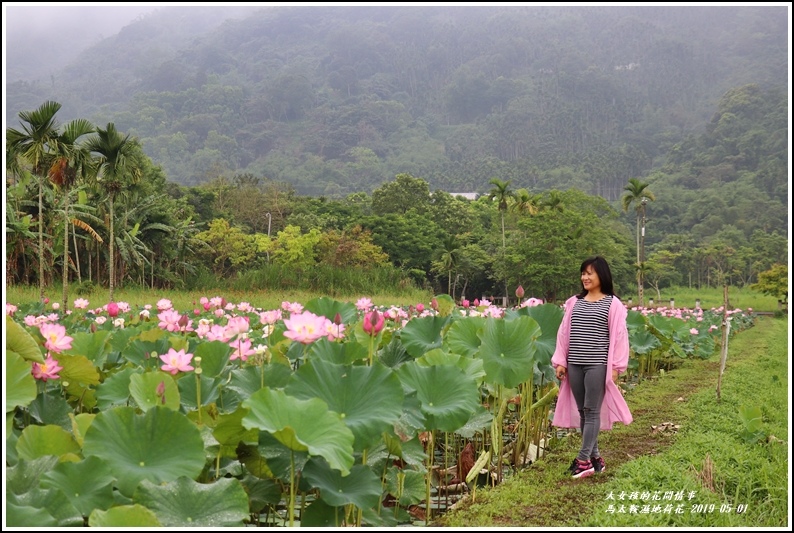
column 731, row 454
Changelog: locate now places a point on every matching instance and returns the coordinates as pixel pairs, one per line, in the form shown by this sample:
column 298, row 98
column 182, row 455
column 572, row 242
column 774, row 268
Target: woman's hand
column 561, row 372
column 615, row 376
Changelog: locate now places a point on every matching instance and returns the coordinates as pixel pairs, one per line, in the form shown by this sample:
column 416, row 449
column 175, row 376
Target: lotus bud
column 373, row 322
column 183, row 321
column 476, row 302
column 420, row 307
column 337, row 319
column 434, row 304
column 465, row 303
column 113, row 309
column 520, row 292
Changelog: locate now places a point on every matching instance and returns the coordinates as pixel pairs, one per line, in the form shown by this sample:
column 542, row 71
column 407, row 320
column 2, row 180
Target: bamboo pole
column 726, row 326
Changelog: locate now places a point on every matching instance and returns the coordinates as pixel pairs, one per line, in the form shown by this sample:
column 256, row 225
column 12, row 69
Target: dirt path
column 543, row 496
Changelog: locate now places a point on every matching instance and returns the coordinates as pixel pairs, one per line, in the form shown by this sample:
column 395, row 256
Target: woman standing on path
column 592, row 349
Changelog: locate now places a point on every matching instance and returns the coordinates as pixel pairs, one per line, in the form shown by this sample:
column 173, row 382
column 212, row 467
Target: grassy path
column 707, row 468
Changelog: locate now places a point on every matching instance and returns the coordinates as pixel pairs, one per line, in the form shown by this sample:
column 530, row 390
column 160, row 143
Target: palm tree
column 35, row 144
column 72, row 162
column 637, row 193
column 526, row 202
column 502, row 194
column 449, row 259
column 114, row 171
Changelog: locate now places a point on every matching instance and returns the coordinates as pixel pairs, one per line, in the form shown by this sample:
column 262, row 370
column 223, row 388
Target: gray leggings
column 588, row 384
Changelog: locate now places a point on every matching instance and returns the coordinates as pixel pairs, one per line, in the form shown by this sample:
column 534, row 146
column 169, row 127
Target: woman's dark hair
column 601, row 268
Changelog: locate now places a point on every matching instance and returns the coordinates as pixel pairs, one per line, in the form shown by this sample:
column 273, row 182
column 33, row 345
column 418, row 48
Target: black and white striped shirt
column 589, row 338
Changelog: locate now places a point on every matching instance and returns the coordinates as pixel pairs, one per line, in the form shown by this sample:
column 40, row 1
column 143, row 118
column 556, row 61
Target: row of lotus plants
column 328, row 414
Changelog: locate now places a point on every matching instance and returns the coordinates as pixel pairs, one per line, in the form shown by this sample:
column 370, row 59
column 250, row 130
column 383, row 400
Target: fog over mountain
column 34, row 36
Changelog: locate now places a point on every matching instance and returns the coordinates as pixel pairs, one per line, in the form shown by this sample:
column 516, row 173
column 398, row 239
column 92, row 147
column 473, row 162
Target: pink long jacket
column 614, row 408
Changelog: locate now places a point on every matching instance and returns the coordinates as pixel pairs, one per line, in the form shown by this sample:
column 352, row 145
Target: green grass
column 183, row 300
column 741, row 298
column 708, row 457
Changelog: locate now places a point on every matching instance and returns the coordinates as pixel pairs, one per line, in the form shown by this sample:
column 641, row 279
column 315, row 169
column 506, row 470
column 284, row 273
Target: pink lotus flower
column 694, row 331
column 531, row 302
column 363, row 304
column 55, row 336
column 176, row 361
column 113, row 309
column 164, row 304
column 169, row 320
column 420, row 307
column 242, row 349
column 10, row 309
column 305, row 327
column 270, row 317
column 373, row 322
column 80, row 303
column 465, row 303
column 219, row 333
column 237, row 324
column 47, row 370
column 292, row 307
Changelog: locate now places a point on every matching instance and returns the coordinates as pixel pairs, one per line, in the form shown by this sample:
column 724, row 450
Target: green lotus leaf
column 635, row 320
column 80, row 424
column 87, row 484
column 27, row 516
column 302, row 425
column 247, row 380
column 320, row 514
column 361, row 486
column 643, row 342
column 336, row 352
column 124, row 516
column 409, row 491
column 93, row 346
column 115, row 390
column 261, row 492
column 479, row 421
column 280, row 459
column 186, row 503
column 229, row 432
column 120, row 338
column 25, row 475
column 50, row 407
column 507, row 350
column 77, row 369
column 47, row 503
column 159, row 445
column 462, row 336
column 20, row 387
column 146, row 354
column 420, row 335
column 214, row 357
column 328, row 307
column 471, row 367
column 38, row 441
column 210, row 390
column 144, row 390
column 393, row 354
column 20, row 341
column 447, row 396
column 368, row 398
column 549, row 318
column 445, row 304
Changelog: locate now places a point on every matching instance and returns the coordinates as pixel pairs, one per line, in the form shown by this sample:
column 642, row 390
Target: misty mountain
column 335, row 100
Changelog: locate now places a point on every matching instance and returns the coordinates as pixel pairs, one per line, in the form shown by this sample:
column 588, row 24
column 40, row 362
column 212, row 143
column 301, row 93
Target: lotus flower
column 176, row 361
column 55, row 337
column 373, row 322
column 47, row 370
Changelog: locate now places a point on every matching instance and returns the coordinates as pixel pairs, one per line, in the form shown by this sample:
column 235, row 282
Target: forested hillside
column 308, row 120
